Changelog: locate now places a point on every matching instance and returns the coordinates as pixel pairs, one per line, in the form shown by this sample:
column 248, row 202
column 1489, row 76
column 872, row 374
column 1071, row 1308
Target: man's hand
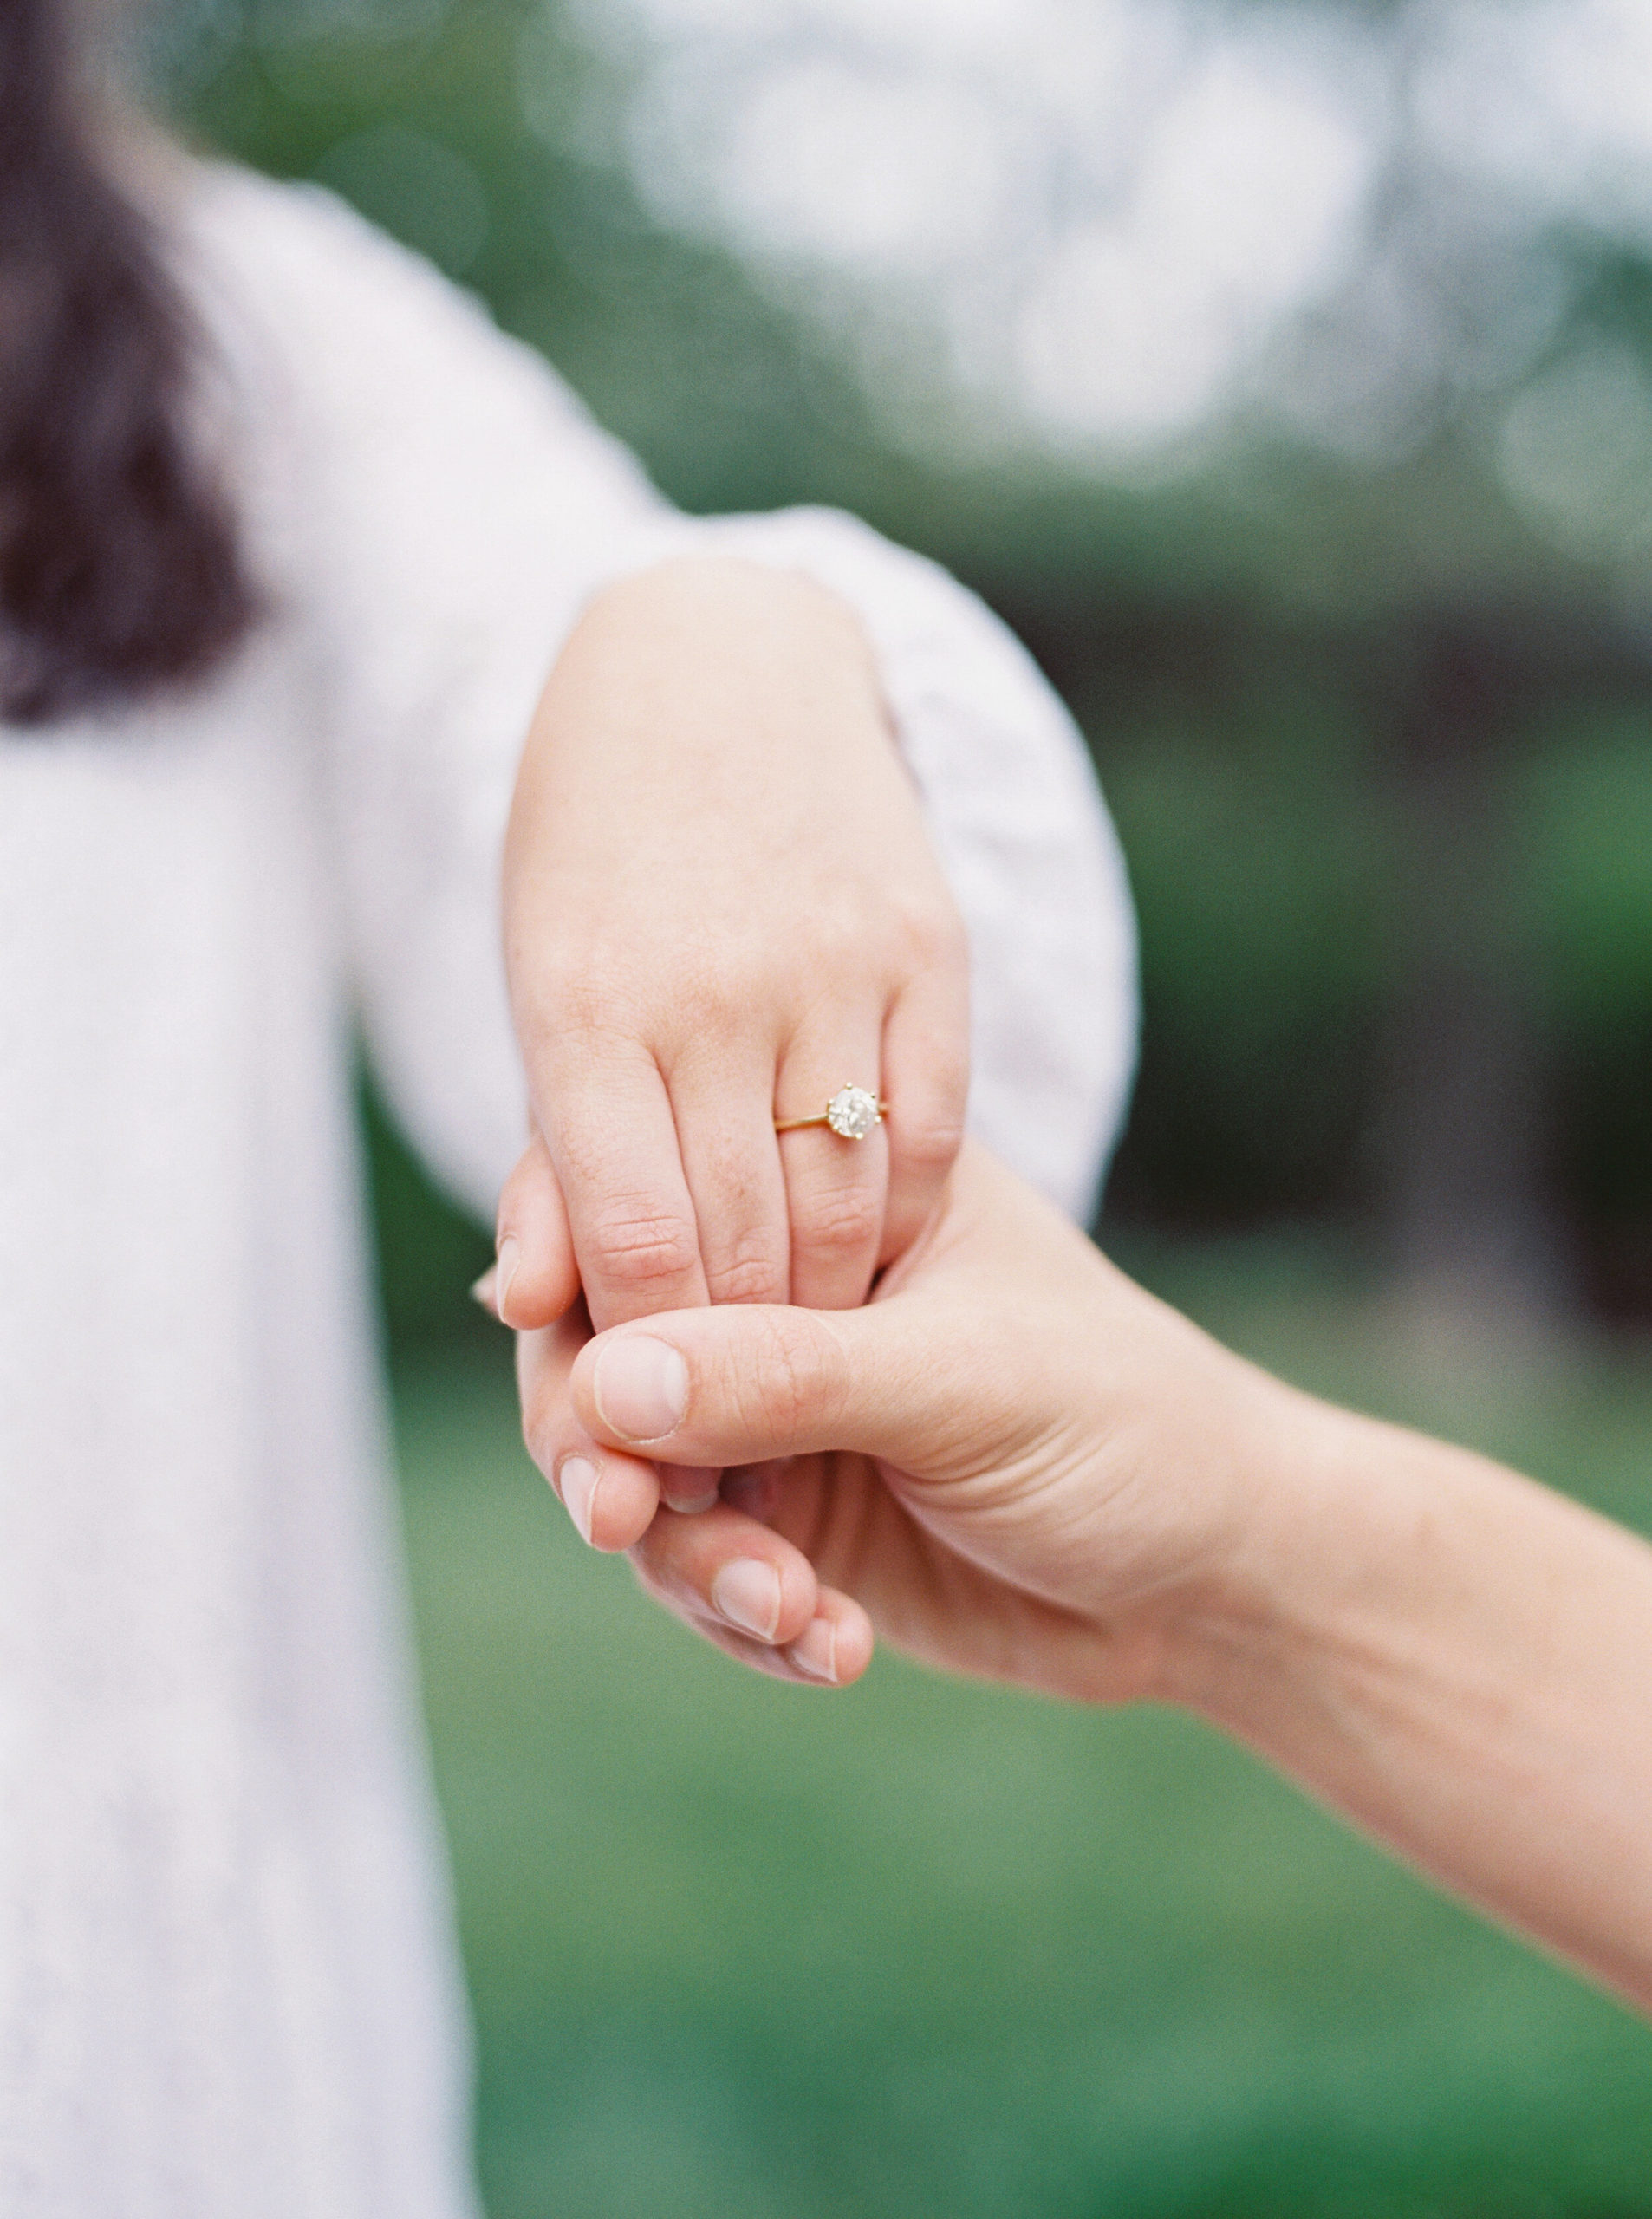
column 1013, row 1462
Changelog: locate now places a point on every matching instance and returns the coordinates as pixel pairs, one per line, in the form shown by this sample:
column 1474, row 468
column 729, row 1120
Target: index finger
column 612, row 1142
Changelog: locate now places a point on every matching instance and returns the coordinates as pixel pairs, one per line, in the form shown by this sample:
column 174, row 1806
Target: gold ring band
column 851, row 1114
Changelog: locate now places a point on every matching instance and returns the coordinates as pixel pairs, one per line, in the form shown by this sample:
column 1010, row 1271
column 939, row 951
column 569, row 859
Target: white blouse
column 227, row 1985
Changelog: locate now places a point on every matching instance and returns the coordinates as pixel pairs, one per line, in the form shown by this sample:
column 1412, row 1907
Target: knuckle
column 710, row 992
column 930, row 1143
column 564, row 1000
column 785, row 1379
column 935, row 935
column 838, row 1220
column 640, row 1245
column 842, row 921
column 580, row 1007
column 753, row 1273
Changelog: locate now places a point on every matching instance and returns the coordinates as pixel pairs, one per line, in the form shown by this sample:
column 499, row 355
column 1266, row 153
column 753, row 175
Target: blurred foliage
column 1586, row 799
column 672, row 347
column 1272, row 659
column 1259, row 874
column 935, row 1949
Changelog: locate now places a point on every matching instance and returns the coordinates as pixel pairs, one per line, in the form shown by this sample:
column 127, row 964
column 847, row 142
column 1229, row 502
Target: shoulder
column 298, row 260
column 299, row 243
column 287, row 276
column 376, row 413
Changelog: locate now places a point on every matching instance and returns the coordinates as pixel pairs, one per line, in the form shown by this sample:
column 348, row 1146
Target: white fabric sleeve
column 462, row 510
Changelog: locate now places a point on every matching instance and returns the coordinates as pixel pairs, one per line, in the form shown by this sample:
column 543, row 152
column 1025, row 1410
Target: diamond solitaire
column 852, row 1112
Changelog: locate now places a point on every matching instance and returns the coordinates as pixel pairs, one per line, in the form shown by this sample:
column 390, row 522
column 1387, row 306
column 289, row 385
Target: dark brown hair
column 120, row 570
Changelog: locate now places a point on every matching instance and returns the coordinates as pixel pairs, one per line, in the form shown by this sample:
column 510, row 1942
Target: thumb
column 747, row 1382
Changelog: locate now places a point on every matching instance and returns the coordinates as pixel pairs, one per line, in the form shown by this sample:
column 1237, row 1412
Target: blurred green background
column 1380, row 750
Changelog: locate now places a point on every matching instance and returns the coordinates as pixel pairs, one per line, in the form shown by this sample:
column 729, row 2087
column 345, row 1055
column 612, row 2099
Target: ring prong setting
column 852, row 1112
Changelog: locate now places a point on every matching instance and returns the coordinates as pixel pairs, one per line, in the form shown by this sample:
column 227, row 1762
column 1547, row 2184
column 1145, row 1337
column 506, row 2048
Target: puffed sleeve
column 459, row 508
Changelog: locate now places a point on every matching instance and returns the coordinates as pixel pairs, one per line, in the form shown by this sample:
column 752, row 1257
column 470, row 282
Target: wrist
column 1245, row 1639
column 738, row 624
column 1361, row 1556
column 1202, row 1475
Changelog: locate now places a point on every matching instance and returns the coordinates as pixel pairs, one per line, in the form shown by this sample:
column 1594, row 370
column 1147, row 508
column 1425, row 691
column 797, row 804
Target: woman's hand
column 1049, row 1467
column 720, row 907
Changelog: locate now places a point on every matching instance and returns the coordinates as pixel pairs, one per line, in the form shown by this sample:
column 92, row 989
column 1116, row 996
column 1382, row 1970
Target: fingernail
column 509, row 1257
column 815, row 1650
column 642, row 1387
column 579, row 1479
column 747, row 1594
column 691, row 1506
column 482, row 1291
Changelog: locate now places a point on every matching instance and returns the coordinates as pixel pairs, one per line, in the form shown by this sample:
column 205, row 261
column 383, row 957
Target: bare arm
column 1460, row 1662
column 1016, row 1463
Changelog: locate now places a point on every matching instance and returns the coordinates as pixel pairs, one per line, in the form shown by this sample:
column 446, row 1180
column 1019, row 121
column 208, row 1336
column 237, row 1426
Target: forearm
column 1462, row 1663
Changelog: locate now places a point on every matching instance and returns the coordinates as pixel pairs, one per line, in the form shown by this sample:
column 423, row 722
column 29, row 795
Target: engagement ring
column 851, row 1113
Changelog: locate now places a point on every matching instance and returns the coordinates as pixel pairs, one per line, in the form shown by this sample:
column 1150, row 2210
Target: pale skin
column 1014, row 1463
column 720, row 906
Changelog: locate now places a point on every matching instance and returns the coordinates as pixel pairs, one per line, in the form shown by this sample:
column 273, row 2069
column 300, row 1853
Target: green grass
column 919, row 1949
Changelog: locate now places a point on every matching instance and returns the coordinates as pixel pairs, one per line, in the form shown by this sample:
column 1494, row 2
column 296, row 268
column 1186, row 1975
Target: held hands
column 720, row 906
column 1012, row 1463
